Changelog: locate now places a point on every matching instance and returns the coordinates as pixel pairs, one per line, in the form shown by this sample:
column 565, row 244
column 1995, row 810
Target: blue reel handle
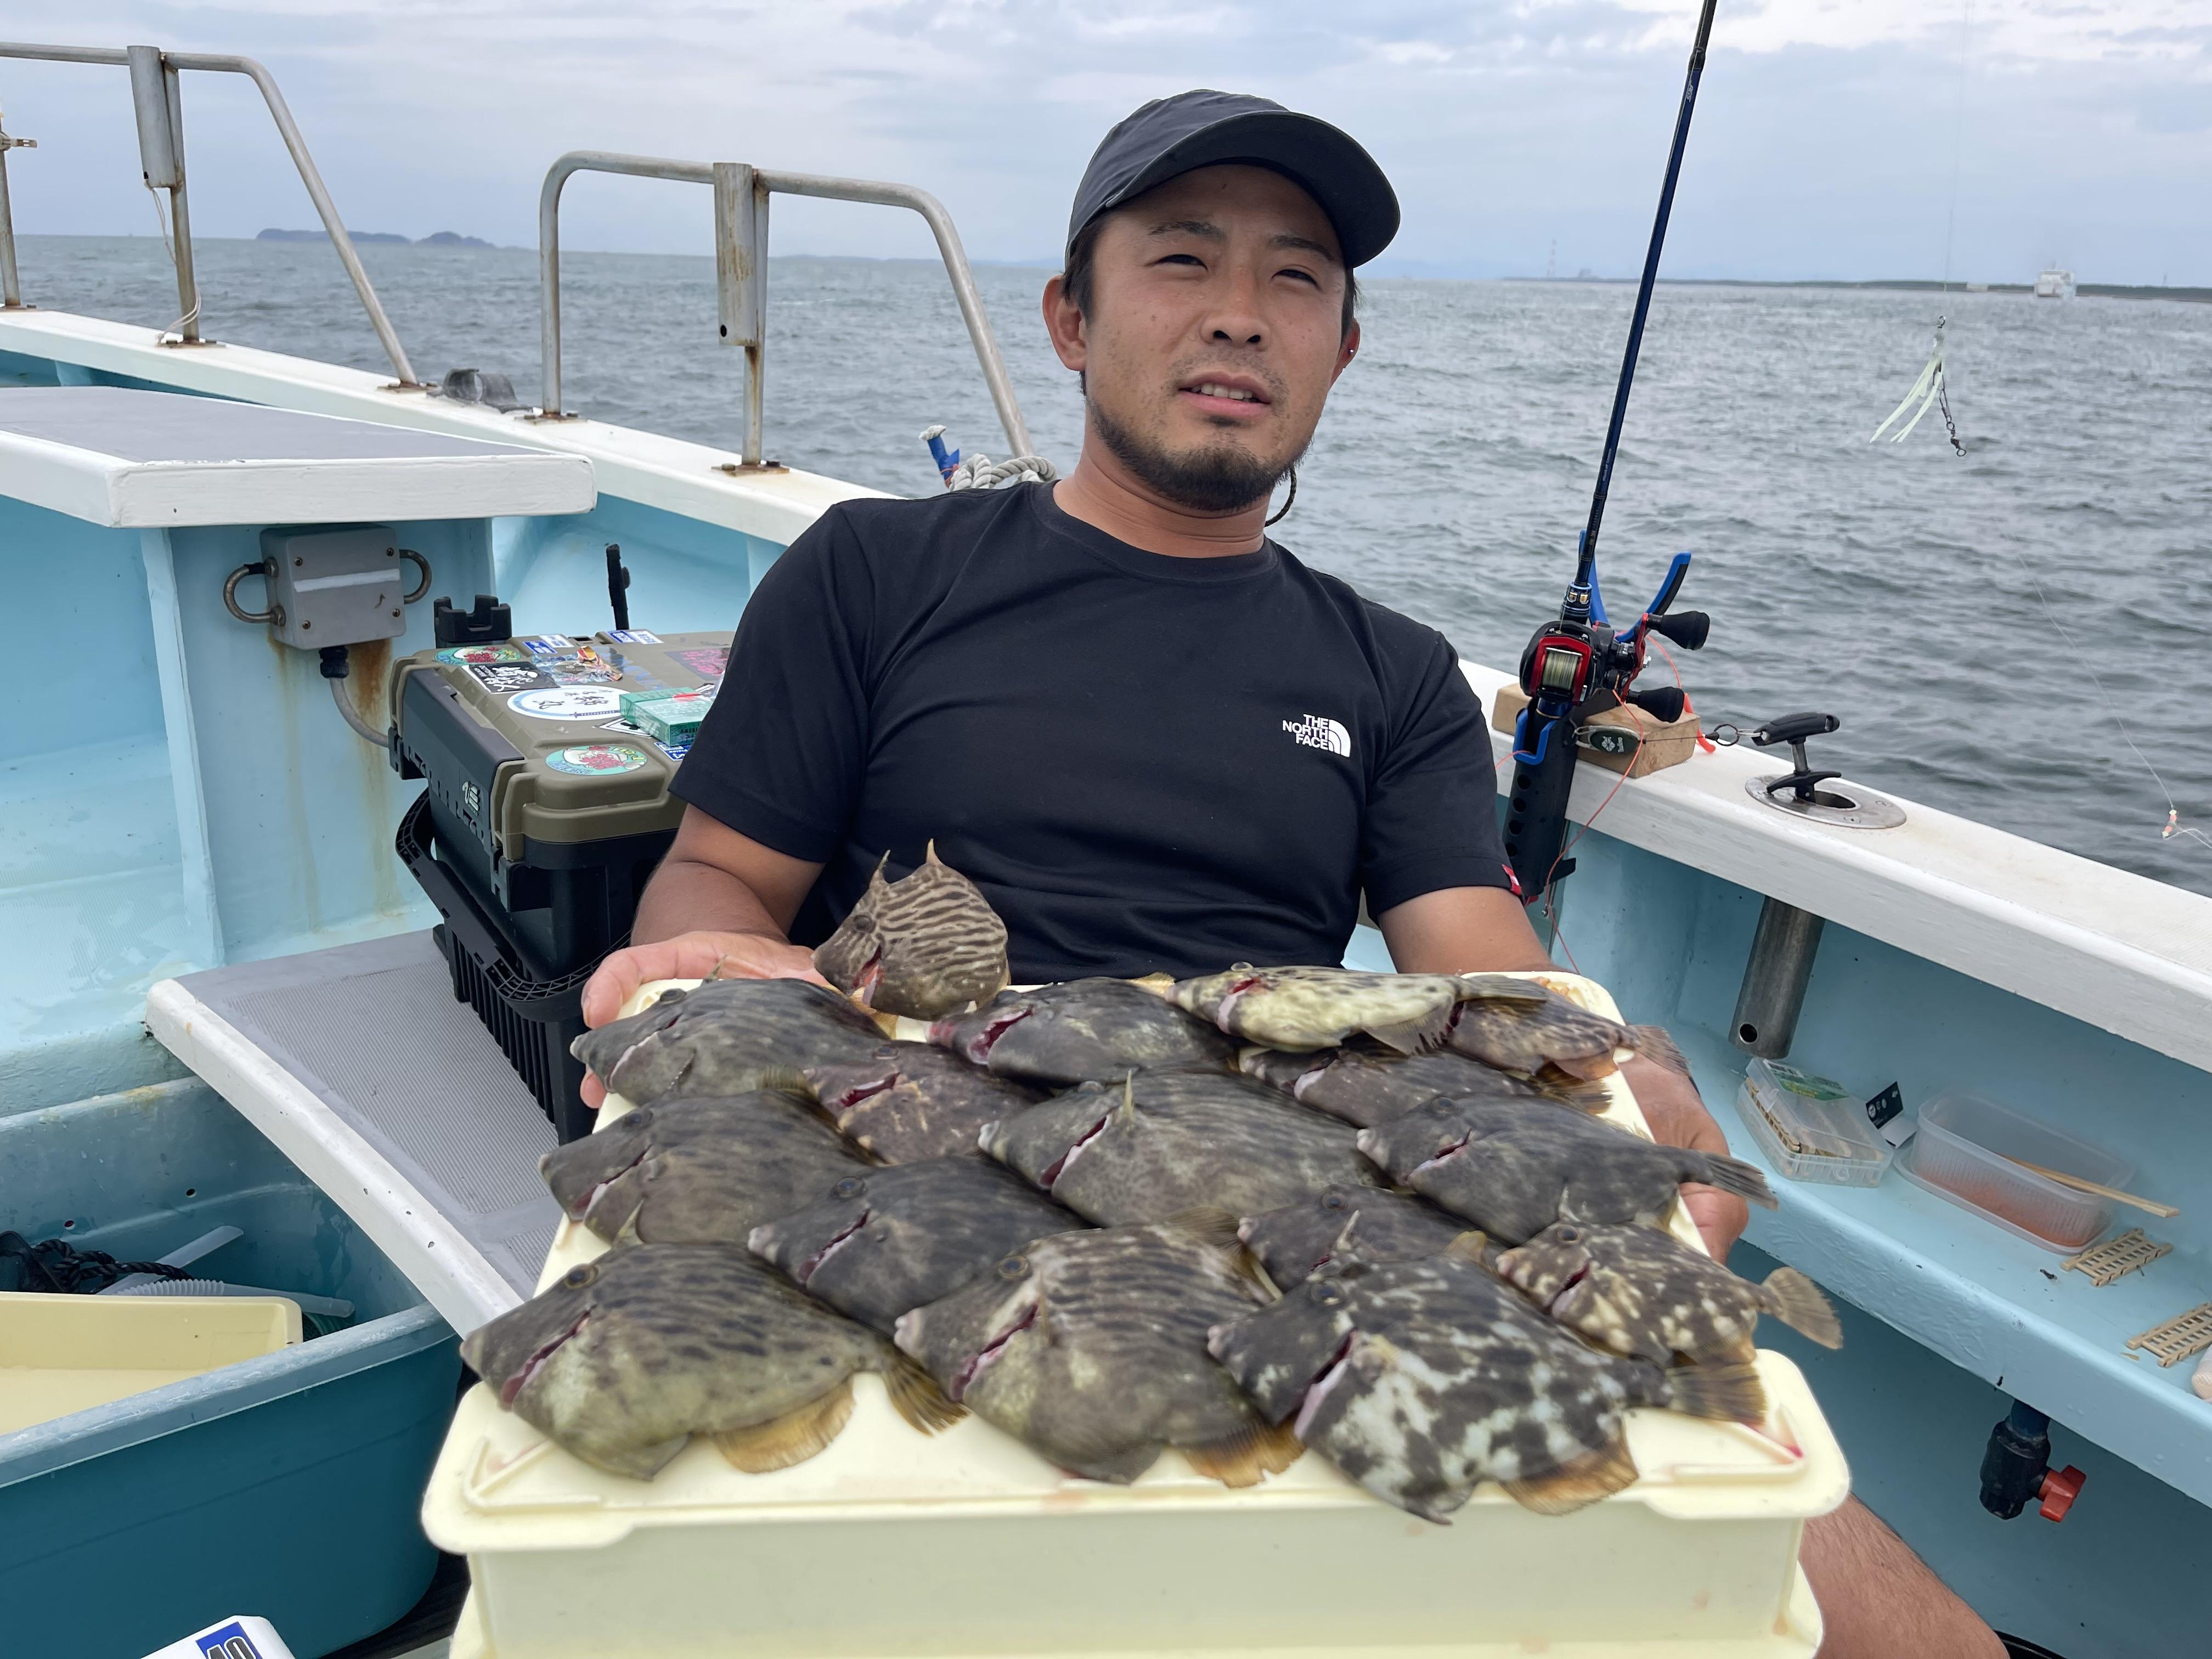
column 946, row 459
column 1670, row 585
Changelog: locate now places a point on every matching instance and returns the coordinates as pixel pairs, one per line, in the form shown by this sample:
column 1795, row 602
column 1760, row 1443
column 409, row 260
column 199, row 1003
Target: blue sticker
column 550, row 645
column 228, row 1641
column 634, row 636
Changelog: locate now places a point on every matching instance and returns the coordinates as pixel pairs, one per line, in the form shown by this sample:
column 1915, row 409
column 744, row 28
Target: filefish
column 705, row 1171
column 1637, row 1291
column 726, row 1036
column 1545, row 1036
column 1419, row 1379
column 1514, row 1168
column 1090, row 1348
column 1365, row 1086
column 1302, row 1009
column 879, row 1244
column 622, row 1360
column 910, row 1101
column 922, row 946
column 1160, row 1146
column 1300, row 1239
column 1083, row 1030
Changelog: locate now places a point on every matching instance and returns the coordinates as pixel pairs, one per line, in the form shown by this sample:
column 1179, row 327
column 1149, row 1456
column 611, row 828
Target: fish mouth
column 1076, row 1148
column 1235, row 995
column 812, row 1265
column 977, row 1048
column 1449, row 1149
column 851, row 1096
column 529, row 1367
column 1325, row 1380
column 583, row 1206
column 1552, row 1307
column 870, row 976
column 986, row 1356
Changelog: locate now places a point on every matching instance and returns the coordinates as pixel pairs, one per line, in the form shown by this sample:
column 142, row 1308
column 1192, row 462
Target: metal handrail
column 741, row 193
column 280, row 113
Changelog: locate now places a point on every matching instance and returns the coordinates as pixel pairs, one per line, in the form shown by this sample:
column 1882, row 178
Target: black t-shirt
column 1146, row 764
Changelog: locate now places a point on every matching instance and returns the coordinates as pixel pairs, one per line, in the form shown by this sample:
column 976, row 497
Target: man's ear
column 1344, row 352
column 1065, row 323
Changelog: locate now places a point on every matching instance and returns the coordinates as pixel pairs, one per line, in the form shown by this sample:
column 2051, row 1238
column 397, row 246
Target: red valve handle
column 2059, row 1489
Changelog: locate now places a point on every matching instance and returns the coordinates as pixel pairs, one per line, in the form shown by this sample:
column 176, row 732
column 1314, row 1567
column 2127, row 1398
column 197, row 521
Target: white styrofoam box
column 967, row 1543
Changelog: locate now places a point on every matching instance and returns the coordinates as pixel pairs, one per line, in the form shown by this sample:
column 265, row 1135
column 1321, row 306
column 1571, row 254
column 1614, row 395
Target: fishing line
column 177, row 328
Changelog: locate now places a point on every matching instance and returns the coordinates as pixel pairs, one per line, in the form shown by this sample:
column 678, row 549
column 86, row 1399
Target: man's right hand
column 688, row 956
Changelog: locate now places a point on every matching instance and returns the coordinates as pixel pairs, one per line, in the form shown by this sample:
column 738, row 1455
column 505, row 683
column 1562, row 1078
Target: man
column 1153, row 738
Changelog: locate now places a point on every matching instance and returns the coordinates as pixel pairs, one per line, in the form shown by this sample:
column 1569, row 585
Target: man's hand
column 1678, row 1118
column 688, row 956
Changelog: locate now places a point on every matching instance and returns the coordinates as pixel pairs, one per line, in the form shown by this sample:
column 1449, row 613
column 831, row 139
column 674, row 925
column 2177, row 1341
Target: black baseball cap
column 1171, row 136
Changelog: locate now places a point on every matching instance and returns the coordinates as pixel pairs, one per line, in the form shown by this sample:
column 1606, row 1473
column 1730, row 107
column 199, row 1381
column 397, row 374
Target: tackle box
column 966, row 1543
column 545, row 810
column 285, row 1482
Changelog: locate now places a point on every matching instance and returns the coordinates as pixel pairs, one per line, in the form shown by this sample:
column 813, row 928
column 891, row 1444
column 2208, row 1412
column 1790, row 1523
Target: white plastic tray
column 967, row 1544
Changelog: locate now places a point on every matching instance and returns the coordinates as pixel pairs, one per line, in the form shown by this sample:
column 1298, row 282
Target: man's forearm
column 688, row 896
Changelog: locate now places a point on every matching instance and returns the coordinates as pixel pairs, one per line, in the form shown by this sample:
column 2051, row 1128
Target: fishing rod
column 1577, row 666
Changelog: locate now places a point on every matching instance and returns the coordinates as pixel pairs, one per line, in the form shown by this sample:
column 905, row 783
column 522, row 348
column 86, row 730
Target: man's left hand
column 1678, row 1118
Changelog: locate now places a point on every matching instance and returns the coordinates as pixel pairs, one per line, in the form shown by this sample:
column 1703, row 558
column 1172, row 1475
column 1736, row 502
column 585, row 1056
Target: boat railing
column 156, row 103
column 741, row 199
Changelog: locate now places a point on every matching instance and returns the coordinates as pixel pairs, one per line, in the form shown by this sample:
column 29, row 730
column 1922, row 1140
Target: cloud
column 1827, row 135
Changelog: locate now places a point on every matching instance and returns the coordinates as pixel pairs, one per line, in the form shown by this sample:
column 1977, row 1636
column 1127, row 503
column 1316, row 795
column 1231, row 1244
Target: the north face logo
column 1319, row 731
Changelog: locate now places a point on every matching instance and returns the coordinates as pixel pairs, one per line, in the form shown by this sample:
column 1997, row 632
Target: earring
column 1283, row 512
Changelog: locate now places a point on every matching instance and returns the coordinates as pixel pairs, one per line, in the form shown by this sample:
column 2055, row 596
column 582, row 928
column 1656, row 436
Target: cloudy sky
column 1829, row 134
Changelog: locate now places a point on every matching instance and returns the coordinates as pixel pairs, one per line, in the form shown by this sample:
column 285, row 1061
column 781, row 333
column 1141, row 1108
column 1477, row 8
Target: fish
column 1302, row 1009
column 1513, row 1168
column 1640, row 1291
column 922, row 946
column 704, row 1171
column 1090, row 1347
column 1163, row 1145
column 726, row 1036
column 1545, row 1037
column 1419, row 1379
column 882, row 1243
column 622, row 1360
column 909, row 1101
column 1366, row 1086
column 1299, row 1239
column 1083, row 1030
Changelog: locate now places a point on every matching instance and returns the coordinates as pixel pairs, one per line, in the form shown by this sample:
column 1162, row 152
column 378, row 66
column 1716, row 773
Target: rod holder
column 1774, row 980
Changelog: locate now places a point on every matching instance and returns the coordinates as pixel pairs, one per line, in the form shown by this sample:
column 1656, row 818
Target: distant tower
column 1551, row 264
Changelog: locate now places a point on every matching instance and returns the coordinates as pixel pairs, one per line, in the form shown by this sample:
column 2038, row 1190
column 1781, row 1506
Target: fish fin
column 916, row 1397
column 1473, row 1246
column 1583, row 1094
column 1655, row 1046
column 1160, row 985
column 1733, row 1175
column 1415, row 1036
column 629, row 1233
column 791, row 1438
column 1127, row 1111
column 929, row 853
column 1246, row 1457
column 788, row 1080
column 1728, row 1393
column 1577, row 1482
column 1581, row 1068
column 875, row 877
column 1214, row 1226
column 1797, row 1301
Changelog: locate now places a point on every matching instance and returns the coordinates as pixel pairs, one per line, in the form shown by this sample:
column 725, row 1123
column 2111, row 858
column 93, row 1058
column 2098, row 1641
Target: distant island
column 436, row 239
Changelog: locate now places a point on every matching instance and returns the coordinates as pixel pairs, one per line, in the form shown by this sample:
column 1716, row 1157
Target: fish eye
column 850, row 1187
column 1014, row 1268
column 581, row 1275
column 1567, row 1236
column 1332, row 1201
column 1325, row 1294
column 635, row 1120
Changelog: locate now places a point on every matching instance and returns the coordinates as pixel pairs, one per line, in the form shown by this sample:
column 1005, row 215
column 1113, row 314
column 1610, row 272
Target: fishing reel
column 1575, row 666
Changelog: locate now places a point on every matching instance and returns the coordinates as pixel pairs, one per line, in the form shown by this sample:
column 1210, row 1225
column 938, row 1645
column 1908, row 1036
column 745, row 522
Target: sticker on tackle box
column 634, row 636
column 596, row 759
column 476, row 654
column 675, row 751
column 708, row 662
column 504, row 678
column 548, row 645
column 241, row 1636
column 567, row 702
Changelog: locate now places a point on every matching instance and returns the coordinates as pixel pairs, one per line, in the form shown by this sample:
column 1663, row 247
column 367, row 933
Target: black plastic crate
column 533, row 1020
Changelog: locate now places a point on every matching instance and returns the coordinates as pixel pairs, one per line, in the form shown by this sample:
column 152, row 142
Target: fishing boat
column 225, row 984
column 2052, row 284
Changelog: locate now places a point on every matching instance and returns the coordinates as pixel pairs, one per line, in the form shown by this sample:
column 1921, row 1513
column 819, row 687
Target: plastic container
column 287, row 1483
column 966, row 1543
column 1963, row 1150
column 60, row 1354
column 1809, row 1128
column 533, row 1021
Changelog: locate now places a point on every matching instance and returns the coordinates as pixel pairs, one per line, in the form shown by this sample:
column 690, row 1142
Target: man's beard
column 1220, row 479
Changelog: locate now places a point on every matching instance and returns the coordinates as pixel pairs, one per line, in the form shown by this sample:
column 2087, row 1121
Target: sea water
column 1983, row 624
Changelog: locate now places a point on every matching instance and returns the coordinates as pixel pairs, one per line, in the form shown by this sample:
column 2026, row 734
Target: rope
column 980, row 471
column 54, row 1265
